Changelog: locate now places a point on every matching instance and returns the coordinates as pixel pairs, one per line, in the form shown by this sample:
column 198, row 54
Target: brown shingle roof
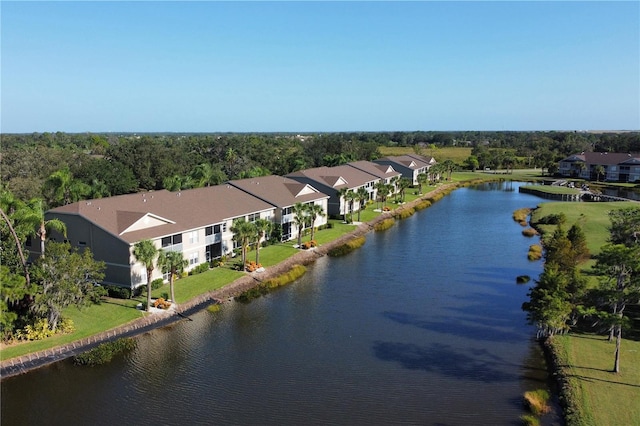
column 330, row 176
column 279, row 191
column 379, row 170
column 173, row 211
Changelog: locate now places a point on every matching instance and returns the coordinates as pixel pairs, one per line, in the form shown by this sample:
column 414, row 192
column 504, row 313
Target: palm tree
column 202, row 174
column 362, row 197
column 403, row 184
column 600, row 171
column 300, row 219
column 422, row 179
column 263, row 227
column 32, row 216
column 243, row 232
column 173, row 263
column 145, row 252
column 449, row 166
column 342, row 192
column 351, row 197
column 66, row 189
column 314, row 211
column 384, row 191
column 380, row 187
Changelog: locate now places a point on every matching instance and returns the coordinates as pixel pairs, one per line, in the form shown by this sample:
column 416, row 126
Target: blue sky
column 319, row 66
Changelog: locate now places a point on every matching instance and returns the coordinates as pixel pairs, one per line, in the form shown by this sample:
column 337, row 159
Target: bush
column 404, row 213
column 535, row 252
column 521, row 215
column 263, row 288
column 309, row 244
column 104, row 352
column 422, row 205
column 252, row 266
column 203, row 267
column 347, row 247
column 523, row 279
column 384, row 224
column 537, row 401
column 157, row 283
column 161, row 303
column 530, row 420
column 118, row 292
column 553, row 219
column 529, row 232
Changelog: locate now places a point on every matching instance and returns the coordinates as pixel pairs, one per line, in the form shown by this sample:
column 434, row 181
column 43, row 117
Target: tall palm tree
column 314, row 211
column 32, row 216
column 380, row 186
column 300, row 219
column 449, row 166
column 350, row 197
column 146, row 252
column 363, row 197
column 422, row 178
column 403, row 184
column 173, row 263
column 66, row 189
column 243, row 233
column 263, row 227
column 600, row 171
column 202, row 174
column 342, row 192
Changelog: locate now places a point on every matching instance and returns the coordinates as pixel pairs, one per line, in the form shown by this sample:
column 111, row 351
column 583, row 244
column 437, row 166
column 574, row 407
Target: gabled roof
column 603, row 158
column 382, row 171
column 409, row 161
column 134, row 217
column 337, row 177
column 279, row 191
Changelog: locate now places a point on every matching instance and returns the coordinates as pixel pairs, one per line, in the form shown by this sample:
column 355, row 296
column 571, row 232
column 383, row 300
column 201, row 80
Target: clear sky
column 319, row 66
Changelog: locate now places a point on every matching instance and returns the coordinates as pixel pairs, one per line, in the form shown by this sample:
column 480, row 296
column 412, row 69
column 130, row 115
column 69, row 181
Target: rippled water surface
column 422, row 325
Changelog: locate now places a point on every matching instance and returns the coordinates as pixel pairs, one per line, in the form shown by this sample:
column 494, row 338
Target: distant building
column 410, row 165
column 618, row 167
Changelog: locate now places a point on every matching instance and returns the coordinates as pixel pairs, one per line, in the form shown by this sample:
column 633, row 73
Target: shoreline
column 31, row 361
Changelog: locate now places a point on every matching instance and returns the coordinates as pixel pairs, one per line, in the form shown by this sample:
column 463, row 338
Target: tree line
column 562, row 298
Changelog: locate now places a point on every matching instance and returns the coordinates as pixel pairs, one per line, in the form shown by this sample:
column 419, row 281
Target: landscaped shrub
column 553, row 219
column 203, row 267
column 347, row 247
column 529, row 232
column 252, row 266
column 104, row 352
column 384, row 224
column 309, row 244
column 118, row 292
column 157, row 283
column 40, row 329
column 161, row 303
column 535, row 252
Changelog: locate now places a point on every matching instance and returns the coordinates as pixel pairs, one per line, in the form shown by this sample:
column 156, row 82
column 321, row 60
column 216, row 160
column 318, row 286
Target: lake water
column 422, row 325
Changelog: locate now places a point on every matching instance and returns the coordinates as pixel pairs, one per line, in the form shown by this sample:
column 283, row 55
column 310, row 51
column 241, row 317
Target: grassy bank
column 598, row 396
column 594, row 395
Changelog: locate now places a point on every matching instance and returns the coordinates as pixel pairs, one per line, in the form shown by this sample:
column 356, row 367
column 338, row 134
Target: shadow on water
column 454, row 327
column 442, row 359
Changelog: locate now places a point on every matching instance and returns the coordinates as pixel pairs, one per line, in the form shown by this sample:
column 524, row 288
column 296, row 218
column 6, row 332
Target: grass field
column 605, row 398
column 458, row 155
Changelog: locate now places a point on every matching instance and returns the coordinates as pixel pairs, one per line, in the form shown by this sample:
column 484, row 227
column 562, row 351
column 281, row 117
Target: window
column 82, row 243
column 253, row 217
column 287, row 211
column 28, row 243
column 172, row 240
column 193, row 259
column 209, row 230
column 193, row 237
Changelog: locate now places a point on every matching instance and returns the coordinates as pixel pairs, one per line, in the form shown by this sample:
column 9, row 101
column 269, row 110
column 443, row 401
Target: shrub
column 521, row 215
column 537, row 401
column 104, row 352
column 553, row 219
column 36, row 331
column 203, row 267
column 523, row 279
column 529, row 232
column 347, row 247
column 404, row 213
column 157, row 283
column 530, row 420
column 535, row 252
column 422, row 205
column 293, row 274
column 252, row 266
column 118, row 292
column 384, row 224
column 161, row 303
column 309, row 244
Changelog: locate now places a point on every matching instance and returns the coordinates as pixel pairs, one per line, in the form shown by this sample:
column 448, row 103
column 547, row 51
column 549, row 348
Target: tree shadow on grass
column 442, row 359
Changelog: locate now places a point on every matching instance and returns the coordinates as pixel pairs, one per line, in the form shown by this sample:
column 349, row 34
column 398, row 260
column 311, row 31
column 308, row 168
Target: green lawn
column 592, row 217
column 605, row 398
column 457, row 154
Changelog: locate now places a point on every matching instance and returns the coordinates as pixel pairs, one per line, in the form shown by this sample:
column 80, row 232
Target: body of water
column 422, row 325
